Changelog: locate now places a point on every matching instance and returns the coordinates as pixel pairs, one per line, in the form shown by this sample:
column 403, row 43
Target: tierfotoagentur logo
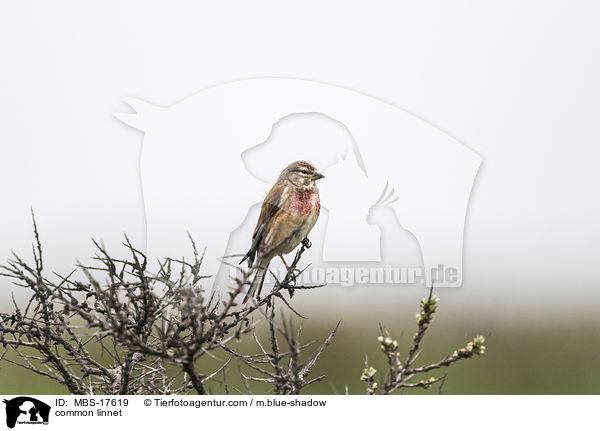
column 396, row 188
column 348, row 276
column 26, row 411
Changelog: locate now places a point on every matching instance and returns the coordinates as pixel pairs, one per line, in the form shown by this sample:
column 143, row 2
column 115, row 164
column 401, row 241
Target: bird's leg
column 306, row 243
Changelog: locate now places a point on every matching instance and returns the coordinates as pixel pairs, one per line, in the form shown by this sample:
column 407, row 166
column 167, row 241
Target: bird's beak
column 318, row 176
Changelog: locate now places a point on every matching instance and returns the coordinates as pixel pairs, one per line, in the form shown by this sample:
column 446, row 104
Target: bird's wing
column 281, row 227
column 271, row 205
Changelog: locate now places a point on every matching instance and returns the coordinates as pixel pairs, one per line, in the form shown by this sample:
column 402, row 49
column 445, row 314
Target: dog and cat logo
column 400, row 185
column 26, row 410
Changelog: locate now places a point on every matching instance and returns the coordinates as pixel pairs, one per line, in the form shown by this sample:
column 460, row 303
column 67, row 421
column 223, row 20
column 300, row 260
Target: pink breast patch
column 305, row 201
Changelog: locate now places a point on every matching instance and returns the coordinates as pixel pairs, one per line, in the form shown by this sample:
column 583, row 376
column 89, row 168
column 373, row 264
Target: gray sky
column 515, row 82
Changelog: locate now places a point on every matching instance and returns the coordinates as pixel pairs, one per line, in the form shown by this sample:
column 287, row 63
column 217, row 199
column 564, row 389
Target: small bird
column 288, row 214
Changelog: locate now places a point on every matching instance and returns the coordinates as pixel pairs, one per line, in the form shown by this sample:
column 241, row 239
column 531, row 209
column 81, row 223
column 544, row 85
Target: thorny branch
column 151, row 329
column 120, row 329
column 290, row 378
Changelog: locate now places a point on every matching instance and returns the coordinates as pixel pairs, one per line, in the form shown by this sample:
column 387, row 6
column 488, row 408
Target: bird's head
column 301, row 174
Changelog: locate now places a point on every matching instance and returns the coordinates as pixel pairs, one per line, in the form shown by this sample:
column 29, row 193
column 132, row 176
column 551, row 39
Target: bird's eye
column 304, row 171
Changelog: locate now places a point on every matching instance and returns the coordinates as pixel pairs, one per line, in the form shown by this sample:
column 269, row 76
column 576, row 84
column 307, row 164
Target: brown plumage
column 288, row 214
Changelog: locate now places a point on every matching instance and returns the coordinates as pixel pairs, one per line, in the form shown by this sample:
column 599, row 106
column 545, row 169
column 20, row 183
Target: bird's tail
column 257, row 283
